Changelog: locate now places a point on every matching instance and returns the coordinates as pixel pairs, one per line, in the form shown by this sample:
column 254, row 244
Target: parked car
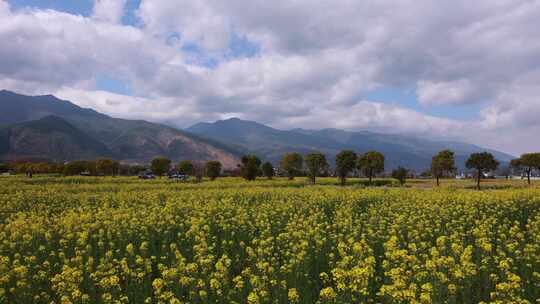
column 178, row 176
column 146, row 175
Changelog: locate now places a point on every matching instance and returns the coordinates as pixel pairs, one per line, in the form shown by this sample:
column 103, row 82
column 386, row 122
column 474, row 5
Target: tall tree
column 371, row 163
column 160, row 165
column 292, row 163
column 268, row 170
column 316, row 163
column 105, row 166
column 185, row 167
column 443, row 164
column 516, row 166
column 77, row 167
column 250, row 167
column 212, row 169
column 534, row 160
column 198, row 170
column 345, row 164
column 482, row 162
column 527, row 162
column 400, row 174
column 3, row 168
column 115, row 168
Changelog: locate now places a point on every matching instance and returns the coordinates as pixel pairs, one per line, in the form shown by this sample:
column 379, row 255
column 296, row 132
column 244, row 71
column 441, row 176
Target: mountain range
column 399, row 150
column 46, row 127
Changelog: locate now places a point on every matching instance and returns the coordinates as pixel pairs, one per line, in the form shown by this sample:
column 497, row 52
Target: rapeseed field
column 121, row 240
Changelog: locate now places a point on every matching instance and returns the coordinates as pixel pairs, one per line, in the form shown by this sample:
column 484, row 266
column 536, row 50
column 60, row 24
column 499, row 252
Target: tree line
column 371, row 163
column 312, row 165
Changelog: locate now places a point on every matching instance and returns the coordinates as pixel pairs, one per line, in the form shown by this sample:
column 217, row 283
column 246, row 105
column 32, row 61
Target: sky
column 453, row 70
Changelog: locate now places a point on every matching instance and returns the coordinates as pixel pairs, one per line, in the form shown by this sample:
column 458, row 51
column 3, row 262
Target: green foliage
column 400, row 174
column 250, row 167
column 76, row 167
column 105, row 166
column 516, row 165
column 268, row 170
column 212, row 169
column 345, row 164
column 443, row 164
column 531, row 160
column 185, row 167
column 292, row 164
column 198, row 170
column 160, row 165
column 316, row 163
column 526, row 163
column 482, row 162
column 371, row 163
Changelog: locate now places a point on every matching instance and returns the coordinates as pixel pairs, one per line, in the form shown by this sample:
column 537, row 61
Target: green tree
column 136, row 169
column 371, row 163
column 160, row 165
column 316, row 163
column 526, row 163
column 268, row 170
column 4, row 168
column 91, row 166
column 212, row 169
column 115, row 168
column 198, row 170
column 105, row 166
column 345, row 164
column 482, row 162
column 516, row 166
column 400, row 174
column 292, row 163
column 76, row 167
column 250, row 167
column 185, row 167
column 443, row 164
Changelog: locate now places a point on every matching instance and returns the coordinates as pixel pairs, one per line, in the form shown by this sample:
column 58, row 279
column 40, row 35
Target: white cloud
column 197, row 22
column 445, row 92
column 4, row 8
column 316, row 61
column 109, row 10
column 118, row 105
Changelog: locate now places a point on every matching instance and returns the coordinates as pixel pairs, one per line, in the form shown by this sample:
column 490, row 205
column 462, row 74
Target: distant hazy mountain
column 411, row 152
column 47, row 127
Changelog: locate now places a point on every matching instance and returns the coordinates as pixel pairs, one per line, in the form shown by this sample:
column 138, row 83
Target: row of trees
column 444, row 164
column 370, row 164
column 314, row 164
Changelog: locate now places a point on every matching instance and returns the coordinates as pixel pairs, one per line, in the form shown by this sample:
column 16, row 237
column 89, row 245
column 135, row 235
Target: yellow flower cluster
column 121, row 240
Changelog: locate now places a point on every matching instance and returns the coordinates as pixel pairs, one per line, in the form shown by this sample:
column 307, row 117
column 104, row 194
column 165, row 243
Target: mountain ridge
column 400, row 150
column 135, row 141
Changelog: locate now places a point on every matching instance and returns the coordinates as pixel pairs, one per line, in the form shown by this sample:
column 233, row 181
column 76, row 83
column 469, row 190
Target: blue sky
column 425, row 68
column 81, row 7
